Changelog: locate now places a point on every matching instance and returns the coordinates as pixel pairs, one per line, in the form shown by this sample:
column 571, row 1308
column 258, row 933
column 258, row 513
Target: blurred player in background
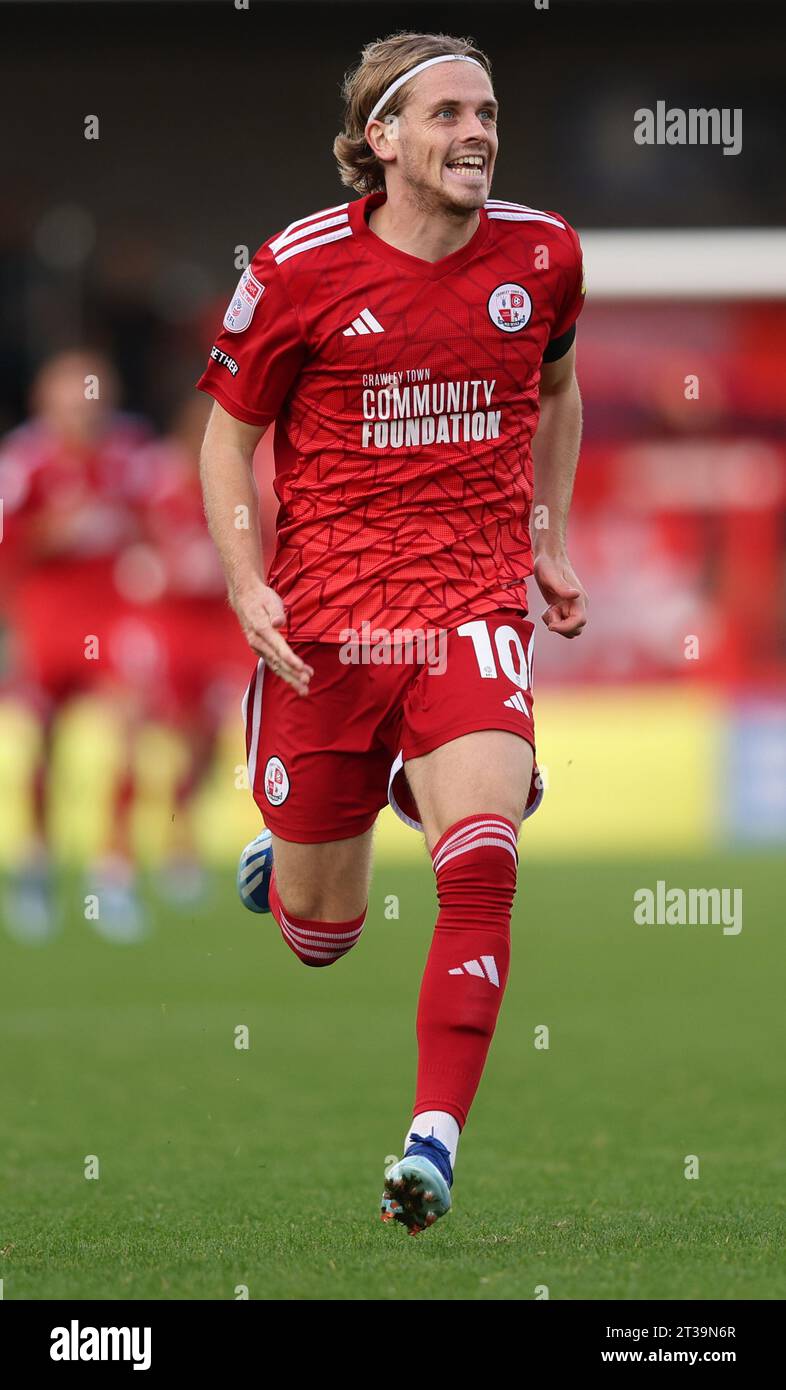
column 203, row 658
column 77, row 659
column 407, row 344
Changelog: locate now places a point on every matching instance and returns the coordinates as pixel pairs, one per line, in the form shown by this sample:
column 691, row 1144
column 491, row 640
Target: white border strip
column 256, row 714
column 698, row 264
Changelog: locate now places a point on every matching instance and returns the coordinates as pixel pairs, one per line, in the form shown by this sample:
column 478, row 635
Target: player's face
column 451, row 114
column 60, row 395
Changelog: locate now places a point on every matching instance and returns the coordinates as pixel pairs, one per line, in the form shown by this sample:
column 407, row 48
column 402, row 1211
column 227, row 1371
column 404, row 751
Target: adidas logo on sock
column 485, row 968
column 364, row 323
column 518, row 702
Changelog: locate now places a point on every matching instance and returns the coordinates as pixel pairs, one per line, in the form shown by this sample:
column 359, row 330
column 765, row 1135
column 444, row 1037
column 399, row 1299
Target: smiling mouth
column 468, row 166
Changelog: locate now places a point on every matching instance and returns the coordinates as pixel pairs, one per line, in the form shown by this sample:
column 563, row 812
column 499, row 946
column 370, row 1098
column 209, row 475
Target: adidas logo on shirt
column 518, row 702
column 485, row 968
column 364, row 323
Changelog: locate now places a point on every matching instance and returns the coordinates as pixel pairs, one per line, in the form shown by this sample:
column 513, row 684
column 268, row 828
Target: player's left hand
column 560, row 587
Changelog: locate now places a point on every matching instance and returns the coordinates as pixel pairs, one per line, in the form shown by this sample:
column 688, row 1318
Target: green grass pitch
column 221, row 1168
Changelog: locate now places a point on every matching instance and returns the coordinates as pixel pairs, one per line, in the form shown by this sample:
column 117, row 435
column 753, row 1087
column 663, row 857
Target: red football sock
column 475, row 863
column 315, row 943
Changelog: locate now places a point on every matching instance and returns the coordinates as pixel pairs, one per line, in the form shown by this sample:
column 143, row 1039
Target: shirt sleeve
column 574, row 288
column 260, row 348
column 557, row 347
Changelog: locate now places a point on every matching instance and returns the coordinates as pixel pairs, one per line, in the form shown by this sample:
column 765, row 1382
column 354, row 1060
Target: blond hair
column 380, row 64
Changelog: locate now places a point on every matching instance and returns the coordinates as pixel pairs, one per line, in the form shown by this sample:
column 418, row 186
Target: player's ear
column 382, row 137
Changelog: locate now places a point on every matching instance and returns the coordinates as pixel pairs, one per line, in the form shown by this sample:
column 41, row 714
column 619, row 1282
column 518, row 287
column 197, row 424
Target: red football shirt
column 405, row 395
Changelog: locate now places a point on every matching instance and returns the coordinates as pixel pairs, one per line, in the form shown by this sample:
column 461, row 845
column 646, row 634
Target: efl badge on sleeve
column 243, row 302
column 510, row 308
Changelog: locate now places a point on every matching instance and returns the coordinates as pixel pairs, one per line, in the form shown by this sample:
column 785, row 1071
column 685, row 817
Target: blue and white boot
column 417, row 1188
column 253, row 873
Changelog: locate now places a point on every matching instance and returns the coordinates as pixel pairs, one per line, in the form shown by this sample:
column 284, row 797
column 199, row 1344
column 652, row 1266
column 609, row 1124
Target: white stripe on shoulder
column 506, row 203
column 518, row 212
column 297, row 233
column 312, row 241
column 312, row 217
column 502, row 215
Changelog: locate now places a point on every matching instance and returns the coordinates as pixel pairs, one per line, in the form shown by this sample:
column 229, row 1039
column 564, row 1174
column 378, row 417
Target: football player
column 408, row 344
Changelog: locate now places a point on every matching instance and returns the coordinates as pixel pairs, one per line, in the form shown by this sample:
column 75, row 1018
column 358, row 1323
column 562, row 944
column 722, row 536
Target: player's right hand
column 260, row 613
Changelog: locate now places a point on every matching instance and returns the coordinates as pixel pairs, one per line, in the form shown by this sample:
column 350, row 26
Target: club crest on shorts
column 243, row 302
column 510, row 307
column 276, row 781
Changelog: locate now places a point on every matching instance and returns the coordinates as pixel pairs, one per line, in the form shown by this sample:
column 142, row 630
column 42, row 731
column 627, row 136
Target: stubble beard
column 437, row 201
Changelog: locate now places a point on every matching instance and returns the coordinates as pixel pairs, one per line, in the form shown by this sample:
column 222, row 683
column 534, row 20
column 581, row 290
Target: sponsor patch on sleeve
column 240, row 309
column 224, row 360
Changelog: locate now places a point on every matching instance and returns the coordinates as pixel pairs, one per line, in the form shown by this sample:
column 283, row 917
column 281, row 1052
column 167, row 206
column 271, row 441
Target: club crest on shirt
column 510, row 307
column 244, row 301
column 276, row 782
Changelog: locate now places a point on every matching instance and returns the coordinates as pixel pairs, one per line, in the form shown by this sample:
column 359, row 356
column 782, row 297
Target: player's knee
column 318, row 896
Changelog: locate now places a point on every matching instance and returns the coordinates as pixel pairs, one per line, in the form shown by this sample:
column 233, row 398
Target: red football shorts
column 321, row 766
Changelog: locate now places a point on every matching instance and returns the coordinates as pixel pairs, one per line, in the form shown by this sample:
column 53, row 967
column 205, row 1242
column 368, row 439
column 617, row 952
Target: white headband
column 429, row 63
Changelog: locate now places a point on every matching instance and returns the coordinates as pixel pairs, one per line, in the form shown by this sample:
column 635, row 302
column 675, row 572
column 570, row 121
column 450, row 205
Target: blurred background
column 126, row 960
column 121, row 668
